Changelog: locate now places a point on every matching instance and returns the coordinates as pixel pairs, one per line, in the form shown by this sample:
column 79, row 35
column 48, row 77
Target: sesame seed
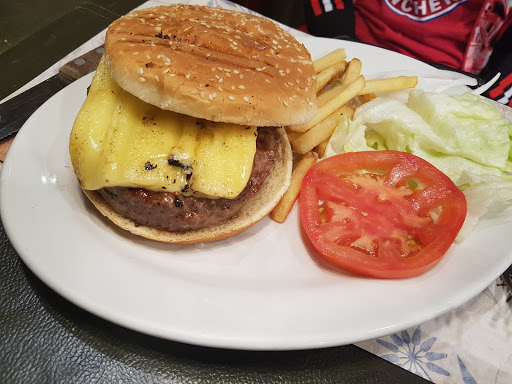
column 267, row 80
column 135, row 53
column 246, row 99
column 141, row 79
column 157, row 78
column 213, row 69
column 188, row 76
column 241, row 87
column 202, row 95
column 141, row 71
column 285, row 103
column 210, row 96
column 231, row 97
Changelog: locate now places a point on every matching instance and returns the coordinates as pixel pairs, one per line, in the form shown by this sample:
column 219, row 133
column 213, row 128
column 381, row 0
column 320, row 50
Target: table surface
column 44, row 338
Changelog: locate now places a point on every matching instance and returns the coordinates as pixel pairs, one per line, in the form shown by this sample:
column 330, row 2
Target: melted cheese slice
column 119, row 140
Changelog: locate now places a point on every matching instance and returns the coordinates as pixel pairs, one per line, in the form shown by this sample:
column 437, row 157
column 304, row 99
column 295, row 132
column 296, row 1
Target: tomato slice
column 384, row 214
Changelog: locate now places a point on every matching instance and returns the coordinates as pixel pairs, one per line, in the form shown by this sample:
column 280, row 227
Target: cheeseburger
column 181, row 137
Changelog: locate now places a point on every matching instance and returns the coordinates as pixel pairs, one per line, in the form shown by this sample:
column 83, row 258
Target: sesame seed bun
column 214, row 64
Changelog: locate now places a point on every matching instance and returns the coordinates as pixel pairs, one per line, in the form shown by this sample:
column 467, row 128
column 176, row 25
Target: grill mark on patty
column 172, row 211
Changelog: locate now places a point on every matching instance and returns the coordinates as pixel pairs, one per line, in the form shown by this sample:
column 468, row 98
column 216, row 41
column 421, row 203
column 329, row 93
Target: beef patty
column 172, row 211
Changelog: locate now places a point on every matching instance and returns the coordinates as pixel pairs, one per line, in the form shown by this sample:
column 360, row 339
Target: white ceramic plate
column 259, row 290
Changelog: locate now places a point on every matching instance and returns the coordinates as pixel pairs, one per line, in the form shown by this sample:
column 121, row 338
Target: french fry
column 329, row 60
column 345, row 94
column 352, row 72
column 367, row 97
column 325, row 96
column 320, row 148
column 285, row 205
column 320, row 132
column 389, row 84
column 292, row 135
column 330, row 74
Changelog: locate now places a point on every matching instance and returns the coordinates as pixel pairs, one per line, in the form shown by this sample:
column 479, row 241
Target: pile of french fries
column 340, row 89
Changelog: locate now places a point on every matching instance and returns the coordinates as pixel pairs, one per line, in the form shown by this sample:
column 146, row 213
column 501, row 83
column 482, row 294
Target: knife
column 15, row 111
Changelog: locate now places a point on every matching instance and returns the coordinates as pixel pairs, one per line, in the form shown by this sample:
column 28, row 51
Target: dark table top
column 46, row 339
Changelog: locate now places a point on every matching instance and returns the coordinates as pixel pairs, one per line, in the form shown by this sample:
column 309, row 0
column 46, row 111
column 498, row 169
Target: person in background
column 472, row 36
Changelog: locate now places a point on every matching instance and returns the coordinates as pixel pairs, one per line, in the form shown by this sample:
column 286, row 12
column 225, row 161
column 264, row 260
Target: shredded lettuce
column 463, row 135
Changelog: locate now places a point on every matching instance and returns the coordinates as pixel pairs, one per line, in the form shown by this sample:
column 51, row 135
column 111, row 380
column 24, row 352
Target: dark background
column 35, row 34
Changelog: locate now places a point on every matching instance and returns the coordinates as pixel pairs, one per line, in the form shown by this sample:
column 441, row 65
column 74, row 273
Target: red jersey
column 455, row 33
column 460, row 34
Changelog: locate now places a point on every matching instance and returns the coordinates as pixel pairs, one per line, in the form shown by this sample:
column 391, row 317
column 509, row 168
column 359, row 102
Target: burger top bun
column 214, row 64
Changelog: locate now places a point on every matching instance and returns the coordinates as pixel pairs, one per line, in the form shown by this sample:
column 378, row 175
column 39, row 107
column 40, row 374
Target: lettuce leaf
column 464, row 136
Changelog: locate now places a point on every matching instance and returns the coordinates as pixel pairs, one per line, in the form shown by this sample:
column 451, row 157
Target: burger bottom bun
column 251, row 213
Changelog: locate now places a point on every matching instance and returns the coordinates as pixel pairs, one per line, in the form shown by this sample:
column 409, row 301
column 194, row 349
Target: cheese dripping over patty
column 118, row 140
